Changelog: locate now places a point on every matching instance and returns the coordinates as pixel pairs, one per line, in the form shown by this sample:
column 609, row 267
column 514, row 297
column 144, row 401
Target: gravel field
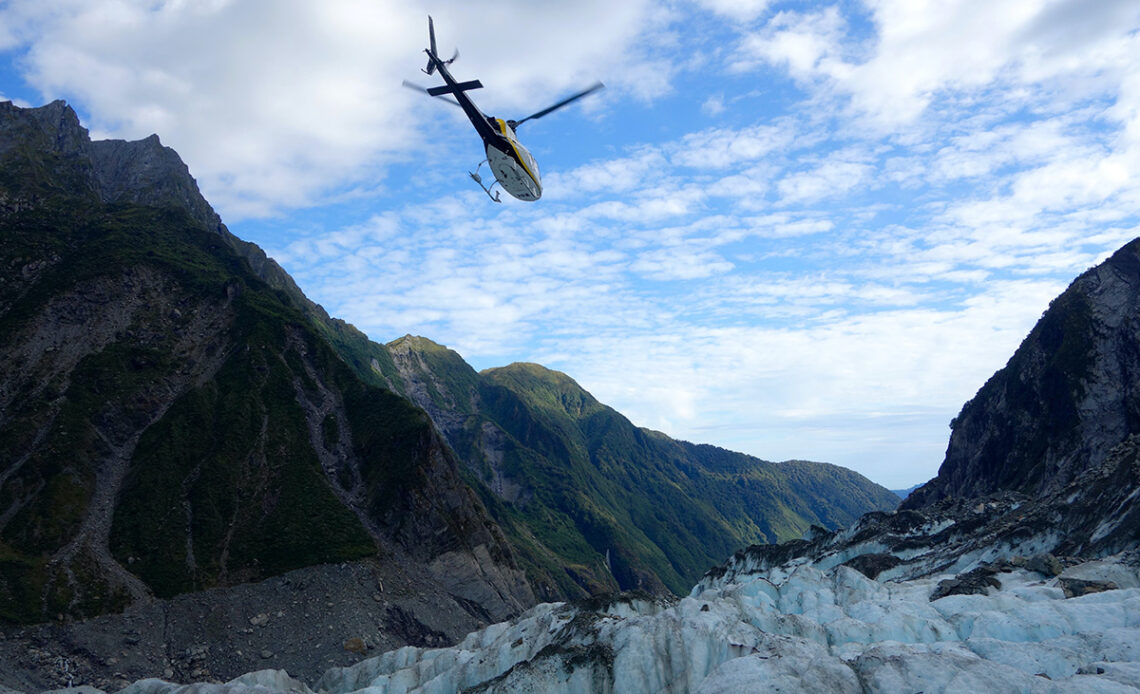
column 303, row 622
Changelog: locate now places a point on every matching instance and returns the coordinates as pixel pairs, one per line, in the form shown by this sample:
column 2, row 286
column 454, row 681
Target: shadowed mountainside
column 1068, row 397
column 169, row 422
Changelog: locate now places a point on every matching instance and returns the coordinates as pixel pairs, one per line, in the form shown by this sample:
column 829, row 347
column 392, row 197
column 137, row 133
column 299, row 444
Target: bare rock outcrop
column 1067, row 398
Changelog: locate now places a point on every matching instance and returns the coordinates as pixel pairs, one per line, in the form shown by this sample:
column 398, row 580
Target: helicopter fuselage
column 514, row 168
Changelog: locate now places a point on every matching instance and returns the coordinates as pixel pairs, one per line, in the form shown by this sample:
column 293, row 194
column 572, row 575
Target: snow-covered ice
column 789, row 629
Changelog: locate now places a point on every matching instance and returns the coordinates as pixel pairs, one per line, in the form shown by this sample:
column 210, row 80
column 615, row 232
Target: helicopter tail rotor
column 430, row 69
column 433, row 53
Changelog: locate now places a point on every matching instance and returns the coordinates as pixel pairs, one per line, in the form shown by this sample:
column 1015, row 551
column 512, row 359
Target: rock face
column 147, row 173
column 1067, row 398
column 170, row 423
column 308, row 620
column 595, row 503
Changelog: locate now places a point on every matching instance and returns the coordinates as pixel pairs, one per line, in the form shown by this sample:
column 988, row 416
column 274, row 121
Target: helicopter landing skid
column 478, row 179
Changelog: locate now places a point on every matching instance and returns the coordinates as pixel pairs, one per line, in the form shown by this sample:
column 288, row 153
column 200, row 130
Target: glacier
column 793, row 627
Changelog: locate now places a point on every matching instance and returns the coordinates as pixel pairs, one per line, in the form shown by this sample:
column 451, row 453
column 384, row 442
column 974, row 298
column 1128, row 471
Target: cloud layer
column 806, row 233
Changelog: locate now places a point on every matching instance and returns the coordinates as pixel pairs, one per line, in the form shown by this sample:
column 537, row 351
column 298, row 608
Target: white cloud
column 276, row 105
column 713, row 106
column 806, row 44
column 654, row 203
column 719, row 148
column 839, row 173
column 611, row 176
column 680, row 263
column 885, row 206
column 740, row 10
column 922, row 51
column 859, row 368
column 784, row 225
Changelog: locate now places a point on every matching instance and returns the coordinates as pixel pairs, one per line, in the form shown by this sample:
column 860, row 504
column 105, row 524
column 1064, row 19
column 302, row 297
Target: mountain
column 158, row 394
column 1065, row 402
column 185, row 437
column 594, row 503
column 1000, row 578
column 169, row 422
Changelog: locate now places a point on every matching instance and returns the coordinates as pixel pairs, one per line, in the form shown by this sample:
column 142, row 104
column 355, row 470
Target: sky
column 801, row 230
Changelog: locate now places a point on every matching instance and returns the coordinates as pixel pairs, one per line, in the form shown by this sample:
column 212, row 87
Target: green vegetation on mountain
column 165, row 411
column 250, row 499
column 226, row 474
column 176, row 415
column 592, row 501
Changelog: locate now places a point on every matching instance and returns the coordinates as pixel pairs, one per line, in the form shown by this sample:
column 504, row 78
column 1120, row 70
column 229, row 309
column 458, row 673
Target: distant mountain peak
column 545, row 388
column 140, row 172
column 416, row 342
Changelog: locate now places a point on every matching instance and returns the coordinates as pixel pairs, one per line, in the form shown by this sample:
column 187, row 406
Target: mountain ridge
column 148, row 283
column 526, row 431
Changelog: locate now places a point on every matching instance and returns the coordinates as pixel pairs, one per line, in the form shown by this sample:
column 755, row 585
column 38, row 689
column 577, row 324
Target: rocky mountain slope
column 998, row 580
column 169, row 422
column 179, row 424
column 1066, row 399
column 132, row 314
column 597, row 504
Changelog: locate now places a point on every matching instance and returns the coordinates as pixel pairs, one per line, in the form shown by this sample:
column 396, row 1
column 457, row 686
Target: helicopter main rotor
column 565, row 102
column 515, row 123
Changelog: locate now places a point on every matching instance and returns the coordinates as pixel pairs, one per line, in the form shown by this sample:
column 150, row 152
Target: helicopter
column 513, row 167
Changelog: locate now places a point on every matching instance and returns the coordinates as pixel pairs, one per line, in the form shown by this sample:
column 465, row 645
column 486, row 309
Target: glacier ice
column 791, row 628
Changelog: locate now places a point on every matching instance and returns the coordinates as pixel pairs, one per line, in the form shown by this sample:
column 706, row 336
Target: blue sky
column 795, row 229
